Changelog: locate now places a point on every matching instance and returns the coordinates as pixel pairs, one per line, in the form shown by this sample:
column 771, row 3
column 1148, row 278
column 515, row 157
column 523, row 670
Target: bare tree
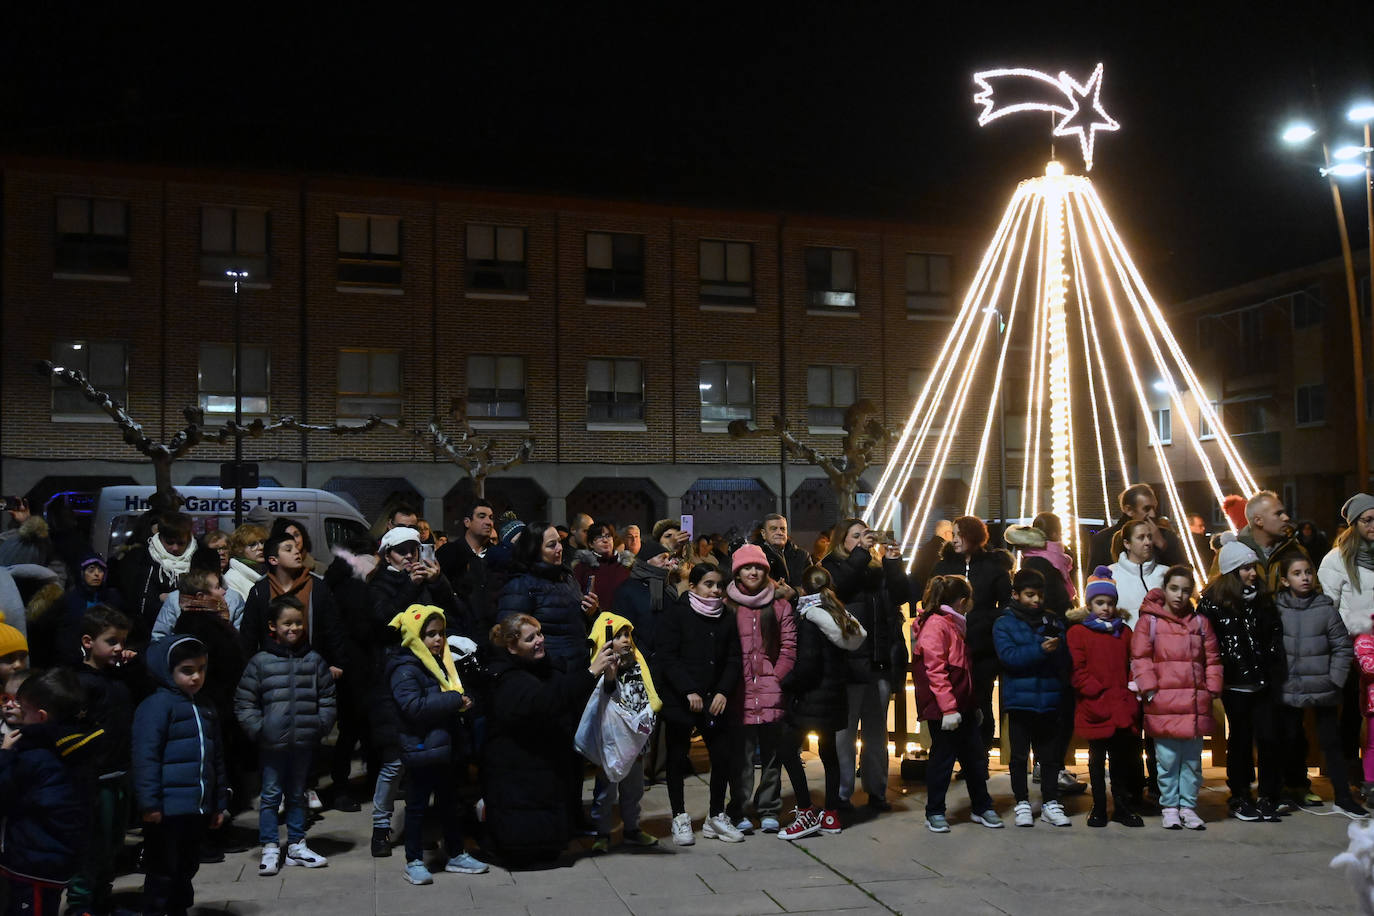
column 164, row 454
column 472, row 455
column 863, row 432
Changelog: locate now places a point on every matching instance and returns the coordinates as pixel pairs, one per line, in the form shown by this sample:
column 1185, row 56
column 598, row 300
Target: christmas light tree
column 1057, row 275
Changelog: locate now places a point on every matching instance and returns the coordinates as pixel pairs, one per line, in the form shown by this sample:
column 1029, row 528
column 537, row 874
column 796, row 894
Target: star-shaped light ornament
column 1079, row 104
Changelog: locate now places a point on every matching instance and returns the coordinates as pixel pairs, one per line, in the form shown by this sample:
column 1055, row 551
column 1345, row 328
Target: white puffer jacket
column 1133, row 583
column 1356, row 607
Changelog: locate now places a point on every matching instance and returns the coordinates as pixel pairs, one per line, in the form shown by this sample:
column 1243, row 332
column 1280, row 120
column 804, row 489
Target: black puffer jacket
column 1250, row 640
column 989, row 572
column 874, row 596
column 285, row 698
column 817, row 686
column 528, row 754
column 694, row 654
column 550, row 595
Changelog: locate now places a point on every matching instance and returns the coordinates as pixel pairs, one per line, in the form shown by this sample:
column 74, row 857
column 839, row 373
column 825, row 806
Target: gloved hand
column 461, row 645
column 951, row 721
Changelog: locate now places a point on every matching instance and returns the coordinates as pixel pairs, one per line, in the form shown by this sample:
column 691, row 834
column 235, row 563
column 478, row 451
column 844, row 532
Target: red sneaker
column 806, row 824
column 830, row 822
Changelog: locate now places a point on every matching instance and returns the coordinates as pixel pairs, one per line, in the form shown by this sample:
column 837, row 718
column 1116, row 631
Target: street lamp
column 239, row 277
column 1347, row 167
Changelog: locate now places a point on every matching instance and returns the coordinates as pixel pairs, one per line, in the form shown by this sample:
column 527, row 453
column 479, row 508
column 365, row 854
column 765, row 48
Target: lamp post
column 238, row 276
column 1300, row 133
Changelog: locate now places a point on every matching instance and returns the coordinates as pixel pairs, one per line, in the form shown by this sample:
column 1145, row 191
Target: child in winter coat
column 943, row 675
column 696, row 652
column 768, row 649
column 1177, row 671
column 636, row 692
column 429, row 701
column 1250, row 638
column 1107, row 712
column 818, row 689
column 1364, row 657
column 1319, row 654
column 45, row 792
column 10, row 712
column 109, row 707
column 285, row 704
column 1035, row 666
column 178, row 770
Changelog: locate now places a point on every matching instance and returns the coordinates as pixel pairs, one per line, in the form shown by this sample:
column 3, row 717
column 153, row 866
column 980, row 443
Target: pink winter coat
column 1178, row 659
column 1364, row 657
column 940, row 665
column 761, row 699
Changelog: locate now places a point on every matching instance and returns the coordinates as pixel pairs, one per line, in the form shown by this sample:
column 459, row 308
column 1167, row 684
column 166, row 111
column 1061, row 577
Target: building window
column 727, row 272
column 1310, row 406
column 1307, row 310
column 369, row 250
column 615, row 390
column 727, row 391
column 92, row 236
column 1204, row 429
column 1163, row 425
column 369, row 383
column 496, row 259
column 217, row 380
column 104, row 363
column 927, row 283
column 830, row 391
column 496, row 387
column 830, row 278
column 234, row 238
column 615, row 266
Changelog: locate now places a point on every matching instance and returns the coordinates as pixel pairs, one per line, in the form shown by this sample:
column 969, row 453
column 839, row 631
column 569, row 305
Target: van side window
column 341, row 530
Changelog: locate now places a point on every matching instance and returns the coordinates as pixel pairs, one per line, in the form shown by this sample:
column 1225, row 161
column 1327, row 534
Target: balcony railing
column 1259, row 449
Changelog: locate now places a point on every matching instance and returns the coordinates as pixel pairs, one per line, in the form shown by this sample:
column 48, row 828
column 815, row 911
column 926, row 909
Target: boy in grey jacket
column 285, row 703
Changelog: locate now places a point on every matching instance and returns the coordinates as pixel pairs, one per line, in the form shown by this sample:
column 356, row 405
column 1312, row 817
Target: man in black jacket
column 1137, row 502
column 786, row 561
column 463, row 562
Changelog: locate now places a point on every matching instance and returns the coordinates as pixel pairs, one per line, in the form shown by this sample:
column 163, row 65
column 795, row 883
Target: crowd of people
column 193, row 679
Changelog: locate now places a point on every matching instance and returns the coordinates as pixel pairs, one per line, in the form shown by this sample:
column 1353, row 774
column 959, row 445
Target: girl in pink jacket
column 944, row 699
column 1364, row 657
column 768, row 650
column 1177, row 671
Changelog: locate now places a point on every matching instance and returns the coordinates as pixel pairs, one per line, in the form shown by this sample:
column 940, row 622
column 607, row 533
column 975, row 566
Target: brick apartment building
column 1275, row 353
column 620, row 336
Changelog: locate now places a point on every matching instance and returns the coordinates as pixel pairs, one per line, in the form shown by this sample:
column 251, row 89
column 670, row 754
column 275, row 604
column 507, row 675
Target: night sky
column 848, row 109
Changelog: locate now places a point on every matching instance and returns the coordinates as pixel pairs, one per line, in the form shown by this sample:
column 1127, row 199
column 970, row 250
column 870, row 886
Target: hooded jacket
column 873, row 595
column 695, row 654
column 617, row 623
column 989, row 572
column 550, row 595
column 1175, row 659
column 426, row 694
column 1101, row 671
column 1031, row 680
column 940, row 667
column 817, row 685
column 1317, row 647
column 285, row 699
column 1250, row 639
column 46, row 799
column 178, row 765
column 760, row 697
column 1133, row 583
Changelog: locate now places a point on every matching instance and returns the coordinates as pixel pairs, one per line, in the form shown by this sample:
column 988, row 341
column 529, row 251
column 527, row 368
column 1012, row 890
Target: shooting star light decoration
column 1057, row 268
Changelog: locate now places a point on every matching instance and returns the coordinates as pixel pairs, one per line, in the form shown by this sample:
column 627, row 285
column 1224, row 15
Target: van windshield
column 342, row 530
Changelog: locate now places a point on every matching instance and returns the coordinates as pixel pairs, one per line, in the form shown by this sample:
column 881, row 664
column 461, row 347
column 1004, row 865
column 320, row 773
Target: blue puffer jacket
column 1031, row 680
column 430, row 730
column 47, row 793
column 550, row 595
column 178, row 764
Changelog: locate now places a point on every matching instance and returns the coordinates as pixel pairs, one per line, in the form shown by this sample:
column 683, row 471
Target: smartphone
column 591, row 584
column 610, row 633
column 427, row 553
column 687, row 525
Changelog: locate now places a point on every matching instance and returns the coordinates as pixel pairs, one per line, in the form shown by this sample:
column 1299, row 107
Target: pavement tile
column 744, row 903
column 819, row 899
column 803, row 876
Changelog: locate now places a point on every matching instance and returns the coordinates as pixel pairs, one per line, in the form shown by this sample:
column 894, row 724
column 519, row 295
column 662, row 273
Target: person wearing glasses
column 600, row 569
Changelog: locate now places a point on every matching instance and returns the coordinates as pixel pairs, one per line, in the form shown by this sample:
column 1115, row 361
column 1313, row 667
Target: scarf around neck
column 762, row 599
column 706, row 607
column 172, row 567
column 1053, row 552
column 1112, row 626
column 1364, row 555
column 207, row 605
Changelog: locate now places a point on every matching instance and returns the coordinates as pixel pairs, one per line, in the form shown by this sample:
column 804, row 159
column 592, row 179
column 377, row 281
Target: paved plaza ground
column 887, row 865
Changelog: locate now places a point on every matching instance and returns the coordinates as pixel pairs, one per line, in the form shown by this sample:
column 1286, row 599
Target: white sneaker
column 271, row 861
column 303, row 855
column 1051, row 812
column 312, row 798
column 1024, row 816
column 682, row 830
column 718, row 827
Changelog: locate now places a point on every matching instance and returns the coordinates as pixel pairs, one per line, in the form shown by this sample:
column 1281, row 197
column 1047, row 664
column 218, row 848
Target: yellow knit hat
column 11, row 640
column 618, row 623
column 411, row 622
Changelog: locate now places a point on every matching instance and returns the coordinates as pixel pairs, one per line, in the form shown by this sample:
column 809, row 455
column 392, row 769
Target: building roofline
column 1264, row 287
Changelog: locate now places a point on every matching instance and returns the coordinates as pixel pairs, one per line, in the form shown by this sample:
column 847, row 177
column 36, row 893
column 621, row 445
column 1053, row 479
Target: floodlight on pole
column 1360, row 113
column 1299, row 133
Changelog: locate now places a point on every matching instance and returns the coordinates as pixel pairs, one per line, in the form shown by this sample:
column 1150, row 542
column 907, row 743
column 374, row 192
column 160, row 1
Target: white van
column 326, row 516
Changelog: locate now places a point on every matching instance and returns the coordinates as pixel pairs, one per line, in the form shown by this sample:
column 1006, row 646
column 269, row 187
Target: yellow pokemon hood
column 410, row 622
column 617, row 623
